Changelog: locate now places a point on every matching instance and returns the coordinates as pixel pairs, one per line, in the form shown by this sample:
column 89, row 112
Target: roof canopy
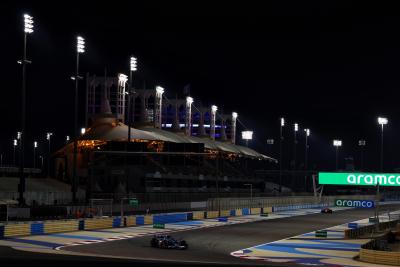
column 108, row 129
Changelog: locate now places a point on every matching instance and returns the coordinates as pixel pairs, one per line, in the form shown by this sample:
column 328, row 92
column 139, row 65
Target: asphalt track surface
column 214, row 245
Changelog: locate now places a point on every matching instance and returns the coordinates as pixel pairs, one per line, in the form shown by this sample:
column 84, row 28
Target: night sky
column 333, row 67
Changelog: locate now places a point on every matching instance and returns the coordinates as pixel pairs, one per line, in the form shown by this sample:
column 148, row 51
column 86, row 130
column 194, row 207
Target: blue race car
column 167, row 241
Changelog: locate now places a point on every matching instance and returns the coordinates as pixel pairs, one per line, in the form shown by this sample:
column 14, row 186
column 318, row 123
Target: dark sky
column 332, row 67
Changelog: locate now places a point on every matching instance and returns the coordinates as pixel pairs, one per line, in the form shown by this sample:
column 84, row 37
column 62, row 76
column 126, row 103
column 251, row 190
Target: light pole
column 337, row 144
column 28, row 29
column 15, row 144
column 251, row 194
column 41, row 161
column 34, row 154
column 307, row 132
column 48, row 137
column 270, row 142
column 296, row 129
column 280, row 153
column 382, row 121
column 80, row 48
column 133, row 68
column 361, row 144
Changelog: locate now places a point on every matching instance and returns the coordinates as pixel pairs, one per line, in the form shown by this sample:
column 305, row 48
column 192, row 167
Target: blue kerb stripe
column 86, row 237
column 101, row 231
column 35, row 242
column 329, row 234
column 313, row 246
column 189, row 223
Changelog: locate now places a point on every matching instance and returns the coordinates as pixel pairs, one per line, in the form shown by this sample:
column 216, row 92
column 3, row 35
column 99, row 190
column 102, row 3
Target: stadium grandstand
column 173, row 147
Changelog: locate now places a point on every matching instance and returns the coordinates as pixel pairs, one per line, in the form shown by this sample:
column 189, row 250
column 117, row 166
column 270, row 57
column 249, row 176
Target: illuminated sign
column 354, row 203
column 353, row 178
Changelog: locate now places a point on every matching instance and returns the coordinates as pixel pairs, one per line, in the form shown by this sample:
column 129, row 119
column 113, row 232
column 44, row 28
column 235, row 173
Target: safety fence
column 367, row 229
column 258, row 202
column 295, row 207
column 375, row 251
column 49, row 227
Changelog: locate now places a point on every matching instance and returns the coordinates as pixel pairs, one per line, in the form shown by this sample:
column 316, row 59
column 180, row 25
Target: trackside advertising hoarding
column 356, row 178
column 354, row 203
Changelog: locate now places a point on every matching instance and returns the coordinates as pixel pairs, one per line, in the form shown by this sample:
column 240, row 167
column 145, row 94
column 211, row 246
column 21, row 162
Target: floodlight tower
column 296, row 129
column 280, row 152
column 233, row 127
column 80, row 48
column 213, row 118
column 158, row 107
column 337, row 144
column 188, row 116
column 122, row 80
column 307, row 132
column 28, row 29
column 131, row 111
column 48, row 137
column 382, row 121
column 15, row 144
column 35, row 144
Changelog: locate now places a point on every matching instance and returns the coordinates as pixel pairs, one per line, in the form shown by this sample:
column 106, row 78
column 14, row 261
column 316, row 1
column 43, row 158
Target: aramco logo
column 354, row 203
column 365, row 179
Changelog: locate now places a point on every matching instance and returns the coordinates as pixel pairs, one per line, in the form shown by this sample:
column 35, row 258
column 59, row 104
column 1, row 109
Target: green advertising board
column 133, row 202
column 359, row 179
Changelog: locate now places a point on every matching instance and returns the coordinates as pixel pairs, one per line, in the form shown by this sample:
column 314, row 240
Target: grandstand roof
column 108, row 129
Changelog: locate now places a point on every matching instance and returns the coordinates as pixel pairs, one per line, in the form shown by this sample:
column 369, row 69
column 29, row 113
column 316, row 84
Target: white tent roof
column 109, row 130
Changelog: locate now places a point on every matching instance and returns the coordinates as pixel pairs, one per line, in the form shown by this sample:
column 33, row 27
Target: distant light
column 296, row 127
column 159, row 90
column 80, row 44
column 234, row 115
column 122, row 78
column 19, row 135
column 28, row 24
column 382, row 121
column 337, row 143
column 361, row 142
column 189, row 100
column 83, row 130
column 282, row 122
column 67, row 137
column 270, row 141
column 15, row 142
column 307, row 132
column 35, row 144
column 247, row 135
column 48, row 136
column 133, row 64
column 214, row 108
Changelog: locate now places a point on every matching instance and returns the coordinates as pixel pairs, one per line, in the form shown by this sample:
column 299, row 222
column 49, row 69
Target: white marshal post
column 188, row 116
column 213, row 118
column 158, row 107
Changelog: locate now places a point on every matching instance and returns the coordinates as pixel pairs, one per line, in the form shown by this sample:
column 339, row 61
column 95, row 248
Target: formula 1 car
column 166, row 241
column 326, row 210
